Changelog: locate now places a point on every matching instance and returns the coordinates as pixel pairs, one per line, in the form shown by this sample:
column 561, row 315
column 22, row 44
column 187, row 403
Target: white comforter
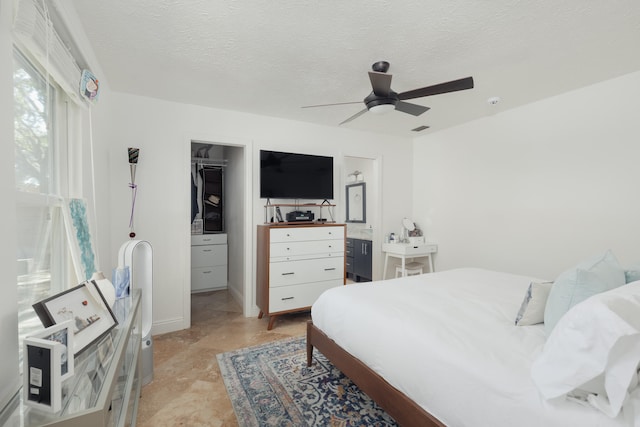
column 448, row 341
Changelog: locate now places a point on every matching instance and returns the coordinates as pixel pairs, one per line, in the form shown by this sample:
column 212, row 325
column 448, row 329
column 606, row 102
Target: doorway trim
column 247, row 156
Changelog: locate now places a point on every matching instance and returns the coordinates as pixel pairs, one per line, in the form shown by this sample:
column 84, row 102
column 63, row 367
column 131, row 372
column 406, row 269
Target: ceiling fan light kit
column 382, row 99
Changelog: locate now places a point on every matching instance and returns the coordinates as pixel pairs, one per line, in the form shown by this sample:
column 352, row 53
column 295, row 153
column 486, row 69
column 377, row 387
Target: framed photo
column 42, row 387
column 85, row 306
column 62, row 333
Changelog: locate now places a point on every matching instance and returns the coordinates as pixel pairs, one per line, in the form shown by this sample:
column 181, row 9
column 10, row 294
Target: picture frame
column 62, row 333
column 84, row 304
column 42, row 384
column 356, row 202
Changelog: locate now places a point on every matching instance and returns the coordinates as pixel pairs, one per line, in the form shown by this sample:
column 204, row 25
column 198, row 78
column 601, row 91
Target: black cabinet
column 358, row 260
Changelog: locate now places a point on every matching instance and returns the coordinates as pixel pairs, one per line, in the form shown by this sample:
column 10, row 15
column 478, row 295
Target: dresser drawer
column 293, row 234
column 286, row 249
column 209, row 239
column 298, row 296
column 204, row 278
column 305, row 271
column 209, row 255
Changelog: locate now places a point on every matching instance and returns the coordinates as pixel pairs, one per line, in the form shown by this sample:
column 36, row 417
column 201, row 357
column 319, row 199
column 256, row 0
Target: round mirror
column 408, row 224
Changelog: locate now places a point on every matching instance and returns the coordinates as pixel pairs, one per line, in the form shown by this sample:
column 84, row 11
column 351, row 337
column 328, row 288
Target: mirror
column 356, row 202
column 408, row 224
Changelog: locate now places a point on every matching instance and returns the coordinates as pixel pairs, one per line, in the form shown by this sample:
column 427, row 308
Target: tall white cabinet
column 295, row 264
column 208, row 262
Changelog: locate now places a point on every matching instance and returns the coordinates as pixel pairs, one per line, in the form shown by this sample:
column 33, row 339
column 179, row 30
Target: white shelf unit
column 209, row 259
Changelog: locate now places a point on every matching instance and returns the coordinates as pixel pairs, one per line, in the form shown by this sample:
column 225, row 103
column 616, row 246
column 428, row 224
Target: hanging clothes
column 194, row 199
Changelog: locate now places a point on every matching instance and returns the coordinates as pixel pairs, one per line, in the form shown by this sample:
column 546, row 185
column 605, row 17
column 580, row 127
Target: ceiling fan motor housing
column 373, row 100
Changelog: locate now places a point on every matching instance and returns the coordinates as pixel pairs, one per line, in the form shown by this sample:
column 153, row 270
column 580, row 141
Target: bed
column 442, row 349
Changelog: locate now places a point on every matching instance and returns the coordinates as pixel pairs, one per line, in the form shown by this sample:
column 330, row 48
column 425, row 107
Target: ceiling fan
column 382, row 98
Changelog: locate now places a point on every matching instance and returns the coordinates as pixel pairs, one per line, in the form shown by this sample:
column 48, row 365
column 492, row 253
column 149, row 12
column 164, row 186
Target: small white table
column 408, row 250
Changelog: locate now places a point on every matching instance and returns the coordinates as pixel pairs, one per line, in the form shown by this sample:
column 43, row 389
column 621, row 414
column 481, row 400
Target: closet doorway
column 217, row 218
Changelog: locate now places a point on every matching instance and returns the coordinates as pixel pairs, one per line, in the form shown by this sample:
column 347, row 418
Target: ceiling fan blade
column 452, row 86
column 355, row 116
column 413, row 109
column 380, row 82
column 329, row 105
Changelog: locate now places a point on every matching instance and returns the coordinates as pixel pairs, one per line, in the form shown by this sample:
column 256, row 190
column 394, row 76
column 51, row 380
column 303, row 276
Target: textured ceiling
column 272, row 57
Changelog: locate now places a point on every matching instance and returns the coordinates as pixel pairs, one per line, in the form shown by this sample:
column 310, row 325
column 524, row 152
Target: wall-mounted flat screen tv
column 295, row 176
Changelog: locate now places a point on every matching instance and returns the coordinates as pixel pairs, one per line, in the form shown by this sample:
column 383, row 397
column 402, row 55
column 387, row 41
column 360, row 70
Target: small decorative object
column 121, row 280
column 85, row 306
column 106, row 288
column 89, row 86
column 133, row 163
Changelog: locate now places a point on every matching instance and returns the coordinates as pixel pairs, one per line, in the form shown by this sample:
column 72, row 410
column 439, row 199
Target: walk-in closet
column 209, row 238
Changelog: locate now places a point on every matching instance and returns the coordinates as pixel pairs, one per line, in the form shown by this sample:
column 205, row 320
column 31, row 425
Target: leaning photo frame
column 42, row 385
column 62, row 333
column 85, row 306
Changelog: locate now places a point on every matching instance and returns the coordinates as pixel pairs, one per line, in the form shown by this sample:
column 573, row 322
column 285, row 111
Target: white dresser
column 208, row 262
column 295, row 264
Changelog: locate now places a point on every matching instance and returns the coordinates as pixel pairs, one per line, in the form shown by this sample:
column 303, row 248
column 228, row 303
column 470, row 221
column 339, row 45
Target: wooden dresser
column 295, row 264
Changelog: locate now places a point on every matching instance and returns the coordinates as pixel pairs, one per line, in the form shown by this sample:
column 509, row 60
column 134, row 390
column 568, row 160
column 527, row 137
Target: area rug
column 270, row 385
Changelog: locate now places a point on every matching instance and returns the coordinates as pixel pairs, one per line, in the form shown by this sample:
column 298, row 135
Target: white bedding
column 448, row 341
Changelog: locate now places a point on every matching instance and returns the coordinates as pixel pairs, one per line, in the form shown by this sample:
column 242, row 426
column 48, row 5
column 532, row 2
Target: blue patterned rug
column 270, row 385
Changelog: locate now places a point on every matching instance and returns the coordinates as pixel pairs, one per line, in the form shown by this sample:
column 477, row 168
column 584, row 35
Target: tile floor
column 187, row 389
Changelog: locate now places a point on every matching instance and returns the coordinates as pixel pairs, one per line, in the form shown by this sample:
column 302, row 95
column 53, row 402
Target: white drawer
column 204, row 278
column 209, row 239
column 203, row 256
column 298, row 296
column 285, row 249
column 408, row 249
column 293, row 234
column 305, row 271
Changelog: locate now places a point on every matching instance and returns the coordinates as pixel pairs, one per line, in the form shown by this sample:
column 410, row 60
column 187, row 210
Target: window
column 42, row 250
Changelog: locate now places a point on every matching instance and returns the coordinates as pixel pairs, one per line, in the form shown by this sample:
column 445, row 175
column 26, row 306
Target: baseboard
column 166, row 326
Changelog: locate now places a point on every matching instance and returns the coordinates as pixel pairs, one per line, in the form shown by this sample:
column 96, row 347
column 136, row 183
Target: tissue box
column 416, row 240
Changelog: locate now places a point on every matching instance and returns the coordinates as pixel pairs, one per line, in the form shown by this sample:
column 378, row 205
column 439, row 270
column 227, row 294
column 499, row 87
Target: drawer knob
column 329, row 269
column 284, row 299
column 288, row 274
column 206, row 250
column 206, row 272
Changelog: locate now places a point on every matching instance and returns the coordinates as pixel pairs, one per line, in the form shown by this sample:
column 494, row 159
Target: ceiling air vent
column 420, row 128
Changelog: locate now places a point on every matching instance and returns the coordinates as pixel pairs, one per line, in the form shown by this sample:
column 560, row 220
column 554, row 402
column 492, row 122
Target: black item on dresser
column 358, row 259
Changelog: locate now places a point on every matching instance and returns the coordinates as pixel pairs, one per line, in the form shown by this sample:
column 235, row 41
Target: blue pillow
column 632, row 274
column 590, row 277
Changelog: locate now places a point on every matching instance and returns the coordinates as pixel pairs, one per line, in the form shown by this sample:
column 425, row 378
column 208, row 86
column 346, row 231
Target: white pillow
column 594, row 350
column 590, row 277
column 532, row 309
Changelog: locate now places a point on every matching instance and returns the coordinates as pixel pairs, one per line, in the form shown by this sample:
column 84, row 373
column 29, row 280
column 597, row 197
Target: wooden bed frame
column 404, row 410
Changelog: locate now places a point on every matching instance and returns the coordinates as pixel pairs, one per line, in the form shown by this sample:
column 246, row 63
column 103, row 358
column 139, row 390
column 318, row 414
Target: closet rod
column 208, row 162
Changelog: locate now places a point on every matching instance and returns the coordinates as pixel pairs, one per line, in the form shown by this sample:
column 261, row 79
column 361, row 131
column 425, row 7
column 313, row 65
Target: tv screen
column 295, row 176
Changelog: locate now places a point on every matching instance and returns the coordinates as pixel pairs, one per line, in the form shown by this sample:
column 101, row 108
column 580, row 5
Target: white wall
column 235, row 226
column 9, row 302
column 536, row 189
column 161, row 129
